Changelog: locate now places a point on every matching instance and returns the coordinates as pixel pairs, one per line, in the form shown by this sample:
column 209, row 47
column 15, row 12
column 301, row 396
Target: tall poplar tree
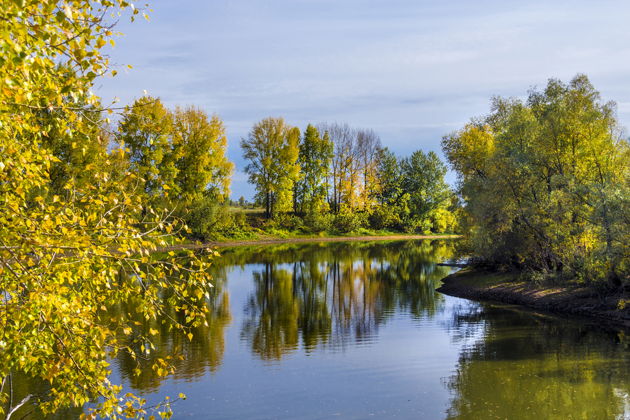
column 272, row 149
column 314, row 159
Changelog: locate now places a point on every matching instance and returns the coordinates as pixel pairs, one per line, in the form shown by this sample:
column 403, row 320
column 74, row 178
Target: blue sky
column 412, row 70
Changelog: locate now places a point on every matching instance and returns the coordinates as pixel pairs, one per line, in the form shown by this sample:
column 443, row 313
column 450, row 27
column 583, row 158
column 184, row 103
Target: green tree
column 199, row 150
column 65, row 259
column 272, row 149
column 423, row 179
column 546, row 184
column 315, row 157
column 392, row 201
column 146, row 129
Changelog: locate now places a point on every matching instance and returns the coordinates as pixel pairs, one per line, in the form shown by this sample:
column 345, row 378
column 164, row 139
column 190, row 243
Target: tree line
column 329, row 178
column 335, row 177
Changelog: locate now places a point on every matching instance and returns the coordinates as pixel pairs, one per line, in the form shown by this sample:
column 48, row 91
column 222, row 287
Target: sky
column 412, row 70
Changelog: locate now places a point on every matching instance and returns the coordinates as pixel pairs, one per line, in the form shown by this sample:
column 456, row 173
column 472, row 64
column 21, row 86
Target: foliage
column 347, row 221
column 145, row 129
column 318, row 222
column 74, row 242
column 315, row 155
column 180, row 157
column 208, row 219
column 365, row 185
column 199, row 146
column 546, row 184
column 272, row 149
column 423, row 179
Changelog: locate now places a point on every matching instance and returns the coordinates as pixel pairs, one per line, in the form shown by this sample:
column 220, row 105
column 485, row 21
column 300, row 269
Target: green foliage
column 314, row 159
column 318, row 222
column 287, row 222
column 546, row 184
column 209, row 219
column 347, row 221
column 423, row 179
column 145, row 129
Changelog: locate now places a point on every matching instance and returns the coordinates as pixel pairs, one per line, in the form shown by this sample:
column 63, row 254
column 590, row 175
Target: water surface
column 357, row 330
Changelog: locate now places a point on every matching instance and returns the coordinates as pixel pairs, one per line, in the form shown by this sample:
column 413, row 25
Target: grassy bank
column 572, row 299
column 270, row 239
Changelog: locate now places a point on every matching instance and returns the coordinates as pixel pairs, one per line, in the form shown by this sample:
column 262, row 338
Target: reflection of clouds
column 467, row 324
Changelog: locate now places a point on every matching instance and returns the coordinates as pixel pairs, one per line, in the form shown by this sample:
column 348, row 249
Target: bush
column 442, row 221
column 208, row 218
column 385, row 217
column 285, row 221
column 318, row 222
column 349, row 221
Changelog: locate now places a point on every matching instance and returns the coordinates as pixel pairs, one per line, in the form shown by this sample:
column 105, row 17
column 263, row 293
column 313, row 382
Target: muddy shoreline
column 578, row 301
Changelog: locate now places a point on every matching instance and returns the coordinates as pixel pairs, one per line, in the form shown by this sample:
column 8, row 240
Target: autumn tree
column 342, row 165
column 66, row 258
column 368, row 144
column 199, row 154
column 180, row 156
column 202, row 181
column 272, row 149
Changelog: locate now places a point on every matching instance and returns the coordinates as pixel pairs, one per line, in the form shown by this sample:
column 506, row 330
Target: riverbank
column 305, row 239
column 571, row 300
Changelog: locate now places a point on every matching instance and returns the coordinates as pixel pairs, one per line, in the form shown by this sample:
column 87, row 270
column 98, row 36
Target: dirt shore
column 506, row 288
column 314, row 239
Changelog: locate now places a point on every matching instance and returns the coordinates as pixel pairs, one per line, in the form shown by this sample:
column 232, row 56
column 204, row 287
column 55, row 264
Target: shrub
column 208, row 218
column 318, row 222
column 349, row 221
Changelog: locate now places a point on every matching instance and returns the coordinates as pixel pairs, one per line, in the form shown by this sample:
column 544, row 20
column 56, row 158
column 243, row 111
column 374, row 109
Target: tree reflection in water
column 189, row 358
column 336, row 293
column 521, row 366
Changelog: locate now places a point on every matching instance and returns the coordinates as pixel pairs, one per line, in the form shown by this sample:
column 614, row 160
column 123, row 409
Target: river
column 357, row 331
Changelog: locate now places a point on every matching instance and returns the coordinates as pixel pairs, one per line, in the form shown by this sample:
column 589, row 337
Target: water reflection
column 357, row 330
column 189, row 358
column 338, row 293
column 525, row 366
